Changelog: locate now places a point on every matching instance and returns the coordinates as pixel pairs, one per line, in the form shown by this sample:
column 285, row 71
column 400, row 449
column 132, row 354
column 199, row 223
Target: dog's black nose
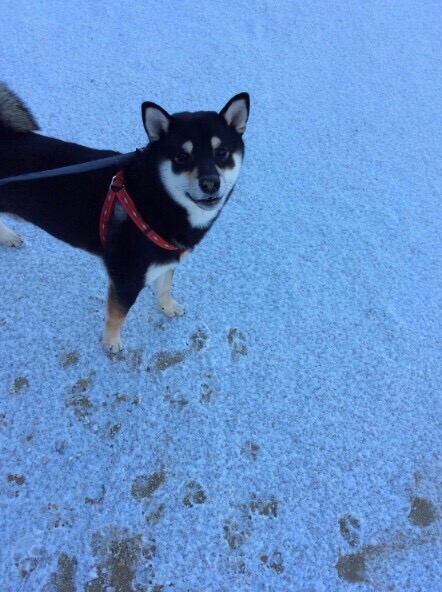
column 209, row 184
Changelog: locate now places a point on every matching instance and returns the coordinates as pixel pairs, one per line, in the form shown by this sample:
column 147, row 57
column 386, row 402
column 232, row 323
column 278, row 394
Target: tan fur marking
column 114, row 321
column 215, row 141
column 188, row 147
column 193, row 174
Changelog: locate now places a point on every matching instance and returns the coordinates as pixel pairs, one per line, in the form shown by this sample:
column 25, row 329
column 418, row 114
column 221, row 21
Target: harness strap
column 117, row 191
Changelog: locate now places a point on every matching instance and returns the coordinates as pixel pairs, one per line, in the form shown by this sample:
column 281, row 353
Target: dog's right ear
column 155, row 120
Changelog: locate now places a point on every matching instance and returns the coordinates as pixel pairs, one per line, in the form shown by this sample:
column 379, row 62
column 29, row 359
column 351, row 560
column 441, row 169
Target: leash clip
column 113, row 187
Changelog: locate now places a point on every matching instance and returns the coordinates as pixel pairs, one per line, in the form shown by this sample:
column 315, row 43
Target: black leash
column 101, row 163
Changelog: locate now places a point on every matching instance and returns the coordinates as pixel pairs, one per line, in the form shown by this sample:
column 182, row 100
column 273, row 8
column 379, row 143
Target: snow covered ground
column 285, row 435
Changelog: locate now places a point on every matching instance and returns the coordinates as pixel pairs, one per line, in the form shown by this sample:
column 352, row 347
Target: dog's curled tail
column 15, row 117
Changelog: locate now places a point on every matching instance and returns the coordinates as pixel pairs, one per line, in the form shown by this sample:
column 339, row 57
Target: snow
column 284, row 435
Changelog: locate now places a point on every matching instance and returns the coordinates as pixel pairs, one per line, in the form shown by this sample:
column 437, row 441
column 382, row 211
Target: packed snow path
column 285, row 435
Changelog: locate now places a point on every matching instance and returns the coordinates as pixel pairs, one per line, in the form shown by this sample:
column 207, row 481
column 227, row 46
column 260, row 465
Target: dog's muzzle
column 209, row 186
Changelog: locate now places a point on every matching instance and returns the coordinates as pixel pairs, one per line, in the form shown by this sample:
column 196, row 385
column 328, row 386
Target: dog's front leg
column 118, row 304
column 161, row 288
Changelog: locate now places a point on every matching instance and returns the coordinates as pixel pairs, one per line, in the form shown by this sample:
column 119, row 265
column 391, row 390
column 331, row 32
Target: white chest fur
column 156, row 271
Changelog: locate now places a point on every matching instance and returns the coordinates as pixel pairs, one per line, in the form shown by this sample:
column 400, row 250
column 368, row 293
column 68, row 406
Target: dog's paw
column 113, row 346
column 9, row 238
column 172, row 308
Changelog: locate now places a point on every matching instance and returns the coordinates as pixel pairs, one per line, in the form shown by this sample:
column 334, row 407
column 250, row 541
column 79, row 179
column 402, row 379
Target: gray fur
column 14, row 115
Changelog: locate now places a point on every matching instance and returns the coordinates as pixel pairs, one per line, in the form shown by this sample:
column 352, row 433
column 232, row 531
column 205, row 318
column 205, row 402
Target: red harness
column 118, row 191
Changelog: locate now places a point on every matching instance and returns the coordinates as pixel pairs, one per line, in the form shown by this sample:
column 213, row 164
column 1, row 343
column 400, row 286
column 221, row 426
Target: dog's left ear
column 236, row 112
column 155, row 120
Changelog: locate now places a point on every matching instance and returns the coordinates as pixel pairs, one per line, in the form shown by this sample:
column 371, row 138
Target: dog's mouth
column 208, row 203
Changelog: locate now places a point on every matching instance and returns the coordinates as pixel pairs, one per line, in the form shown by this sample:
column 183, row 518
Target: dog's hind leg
column 161, row 288
column 8, row 237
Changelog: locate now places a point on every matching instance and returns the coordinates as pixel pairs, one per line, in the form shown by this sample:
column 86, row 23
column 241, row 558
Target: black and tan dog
column 159, row 206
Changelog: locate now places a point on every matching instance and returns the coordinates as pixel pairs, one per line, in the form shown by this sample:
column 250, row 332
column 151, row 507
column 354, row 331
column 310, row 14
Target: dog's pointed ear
column 155, row 120
column 236, row 112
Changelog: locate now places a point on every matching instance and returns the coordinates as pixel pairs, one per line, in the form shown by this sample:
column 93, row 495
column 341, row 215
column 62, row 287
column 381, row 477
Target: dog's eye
column 222, row 153
column 182, row 157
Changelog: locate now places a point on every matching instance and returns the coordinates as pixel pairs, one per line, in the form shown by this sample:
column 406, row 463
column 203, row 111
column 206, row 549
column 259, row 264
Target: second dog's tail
column 15, row 117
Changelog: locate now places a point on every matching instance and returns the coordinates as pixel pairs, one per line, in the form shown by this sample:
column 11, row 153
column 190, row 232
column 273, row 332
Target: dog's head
column 199, row 154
